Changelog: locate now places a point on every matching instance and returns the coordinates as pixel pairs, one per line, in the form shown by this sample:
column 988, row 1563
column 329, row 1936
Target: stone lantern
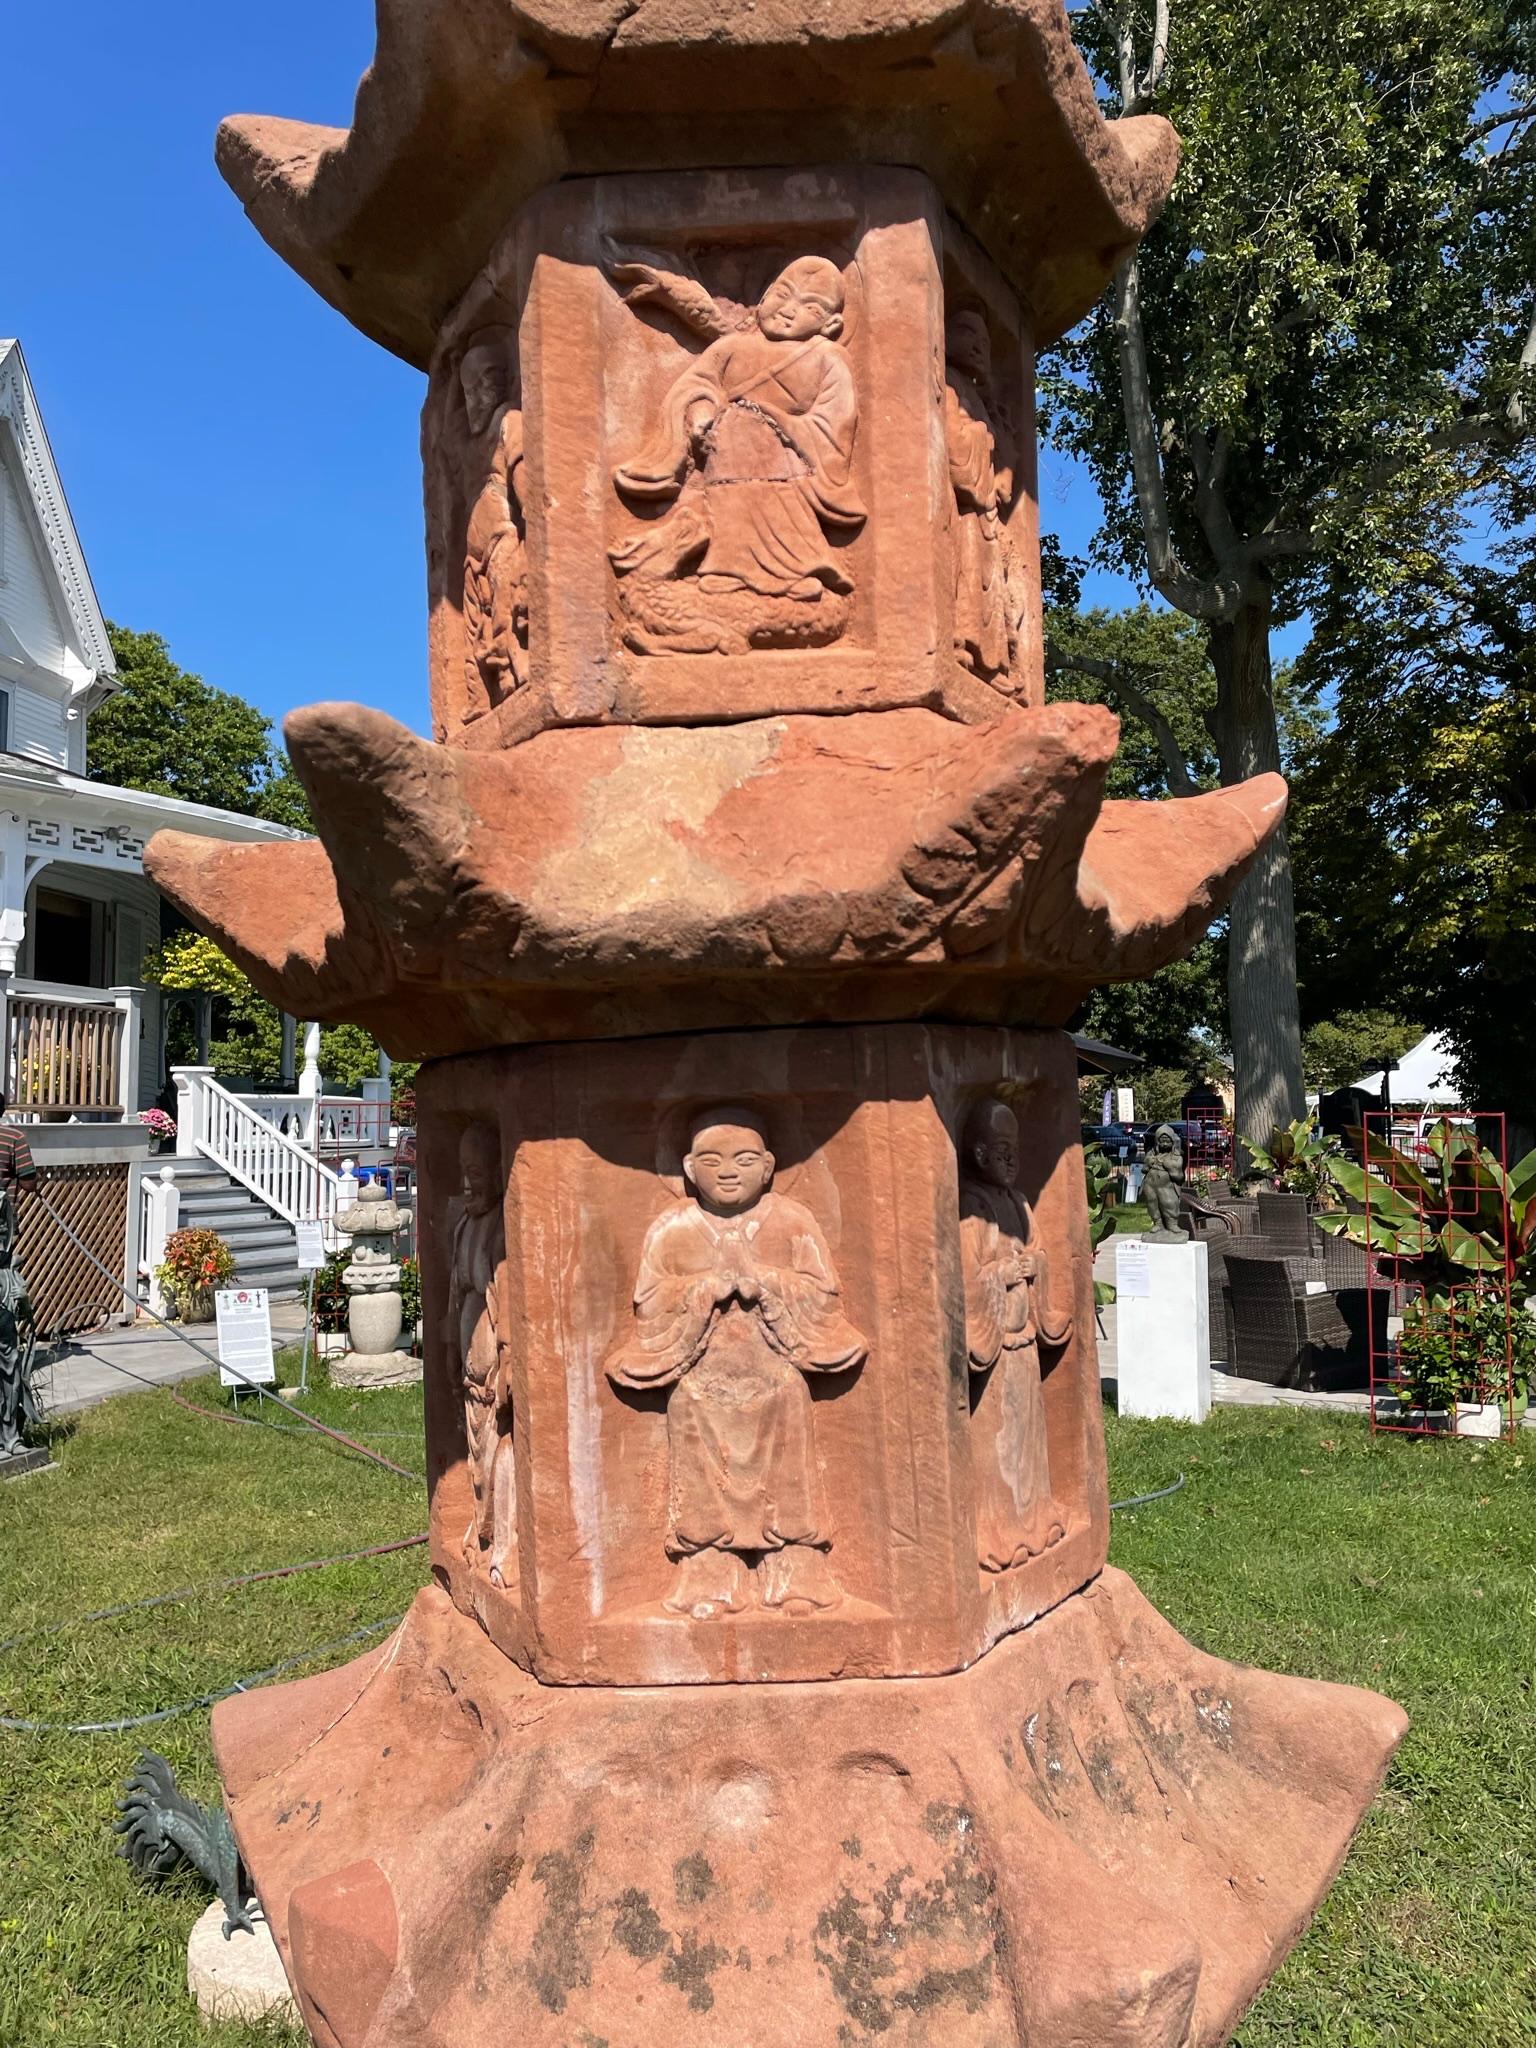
column 375, row 1310
column 773, row 1686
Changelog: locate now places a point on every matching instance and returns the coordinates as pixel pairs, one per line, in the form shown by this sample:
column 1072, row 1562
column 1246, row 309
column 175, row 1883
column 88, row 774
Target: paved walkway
column 120, row 1361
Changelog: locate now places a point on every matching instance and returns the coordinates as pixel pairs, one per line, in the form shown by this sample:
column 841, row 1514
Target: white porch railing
column 159, row 1215
column 72, row 1051
column 332, row 1126
column 277, row 1169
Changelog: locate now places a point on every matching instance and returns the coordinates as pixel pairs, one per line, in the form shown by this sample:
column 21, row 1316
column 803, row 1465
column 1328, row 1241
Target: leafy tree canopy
column 1355, row 1042
column 1415, row 812
column 247, row 1042
column 169, row 732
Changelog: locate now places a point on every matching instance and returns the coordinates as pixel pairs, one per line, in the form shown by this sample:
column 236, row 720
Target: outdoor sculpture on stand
column 773, row 1687
column 375, row 1306
column 1162, row 1184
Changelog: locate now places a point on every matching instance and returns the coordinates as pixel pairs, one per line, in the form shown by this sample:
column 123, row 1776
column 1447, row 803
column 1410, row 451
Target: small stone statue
column 375, row 1310
column 1161, row 1184
column 19, row 1410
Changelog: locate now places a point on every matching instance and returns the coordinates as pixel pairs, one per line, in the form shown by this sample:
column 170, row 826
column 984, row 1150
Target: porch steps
column 263, row 1244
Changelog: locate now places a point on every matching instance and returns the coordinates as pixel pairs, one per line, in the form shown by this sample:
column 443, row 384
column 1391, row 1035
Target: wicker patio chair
column 1283, row 1335
column 1284, row 1220
column 1209, row 1220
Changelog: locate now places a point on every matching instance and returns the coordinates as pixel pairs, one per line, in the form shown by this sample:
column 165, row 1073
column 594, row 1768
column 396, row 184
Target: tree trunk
column 1261, row 965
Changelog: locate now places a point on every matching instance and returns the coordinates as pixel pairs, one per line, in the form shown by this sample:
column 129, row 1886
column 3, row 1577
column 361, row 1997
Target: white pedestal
column 1163, row 1329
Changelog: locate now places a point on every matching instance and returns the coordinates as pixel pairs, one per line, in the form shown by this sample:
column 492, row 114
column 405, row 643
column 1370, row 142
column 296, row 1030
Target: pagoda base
column 1097, row 1836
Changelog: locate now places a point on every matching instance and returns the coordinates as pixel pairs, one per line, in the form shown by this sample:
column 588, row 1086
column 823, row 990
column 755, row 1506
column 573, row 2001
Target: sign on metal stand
column 245, row 1337
column 310, row 1239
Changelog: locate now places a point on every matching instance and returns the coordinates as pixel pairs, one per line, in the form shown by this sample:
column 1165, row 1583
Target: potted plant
column 160, row 1126
column 196, row 1262
column 1464, row 1362
column 1461, row 1231
column 1102, row 1187
column 1297, row 1160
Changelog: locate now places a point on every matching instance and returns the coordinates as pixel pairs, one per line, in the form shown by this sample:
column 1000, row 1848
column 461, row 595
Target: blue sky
column 241, row 464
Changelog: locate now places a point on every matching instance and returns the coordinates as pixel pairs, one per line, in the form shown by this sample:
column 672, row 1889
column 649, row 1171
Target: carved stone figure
column 476, row 1341
column 981, row 470
column 1008, row 1315
column 19, row 1409
column 755, row 444
column 736, row 1301
column 1161, row 1184
column 495, row 559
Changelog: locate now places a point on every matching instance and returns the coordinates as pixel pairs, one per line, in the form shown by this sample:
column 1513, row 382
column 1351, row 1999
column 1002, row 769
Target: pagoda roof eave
column 468, row 109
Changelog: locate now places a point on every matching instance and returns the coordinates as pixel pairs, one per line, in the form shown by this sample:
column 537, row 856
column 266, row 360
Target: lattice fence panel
column 68, row 1293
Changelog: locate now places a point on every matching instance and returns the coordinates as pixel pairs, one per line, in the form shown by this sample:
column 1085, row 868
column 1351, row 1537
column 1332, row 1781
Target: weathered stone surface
column 677, row 1432
column 597, row 882
column 471, row 105
column 1098, row 1834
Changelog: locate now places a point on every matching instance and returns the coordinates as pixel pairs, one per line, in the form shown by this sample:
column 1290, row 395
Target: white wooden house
column 81, row 1040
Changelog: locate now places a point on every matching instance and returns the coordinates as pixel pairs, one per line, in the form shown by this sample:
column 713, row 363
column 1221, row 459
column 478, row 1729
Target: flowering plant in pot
column 160, row 1126
column 195, row 1263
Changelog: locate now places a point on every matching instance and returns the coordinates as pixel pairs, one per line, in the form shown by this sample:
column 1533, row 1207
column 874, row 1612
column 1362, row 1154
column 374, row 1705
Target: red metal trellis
column 1443, row 1358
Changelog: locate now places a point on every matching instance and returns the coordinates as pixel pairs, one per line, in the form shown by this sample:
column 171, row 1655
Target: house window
column 5, row 721
column 65, row 939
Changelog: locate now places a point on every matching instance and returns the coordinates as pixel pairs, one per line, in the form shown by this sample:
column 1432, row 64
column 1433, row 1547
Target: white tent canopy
column 1424, row 1074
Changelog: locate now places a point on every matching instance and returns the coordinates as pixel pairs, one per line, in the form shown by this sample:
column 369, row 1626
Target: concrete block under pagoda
column 773, row 1686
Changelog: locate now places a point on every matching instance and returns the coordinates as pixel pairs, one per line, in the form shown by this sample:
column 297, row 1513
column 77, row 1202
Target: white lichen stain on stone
column 630, row 854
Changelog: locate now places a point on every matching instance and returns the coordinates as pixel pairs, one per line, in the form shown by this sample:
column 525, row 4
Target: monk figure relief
column 735, row 1304
column 474, row 1309
column 755, row 445
column 981, row 475
column 1008, row 1315
column 495, row 558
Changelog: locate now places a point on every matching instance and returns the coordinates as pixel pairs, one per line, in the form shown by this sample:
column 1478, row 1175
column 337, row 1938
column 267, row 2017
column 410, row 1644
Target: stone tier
column 606, row 882
column 1098, row 1834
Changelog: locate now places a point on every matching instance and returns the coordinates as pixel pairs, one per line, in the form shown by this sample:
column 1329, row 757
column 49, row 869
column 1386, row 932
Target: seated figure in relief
column 1008, row 1315
column 478, row 1349
column 755, row 443
column 735, row 1303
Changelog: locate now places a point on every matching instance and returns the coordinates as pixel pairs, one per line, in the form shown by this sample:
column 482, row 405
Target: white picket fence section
column 278, row 1170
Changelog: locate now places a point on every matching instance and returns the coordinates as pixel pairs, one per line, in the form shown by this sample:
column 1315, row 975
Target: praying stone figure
column 1007, row 1317
column 981, row 474
column 19, row 1409
column 735, row 1303
column 476, row 1342
column 495, row 560
column 755, row 443
column 1161, row 1185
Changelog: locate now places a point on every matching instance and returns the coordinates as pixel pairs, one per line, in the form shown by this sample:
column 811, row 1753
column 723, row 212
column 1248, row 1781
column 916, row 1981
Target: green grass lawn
column 1299, row 1543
